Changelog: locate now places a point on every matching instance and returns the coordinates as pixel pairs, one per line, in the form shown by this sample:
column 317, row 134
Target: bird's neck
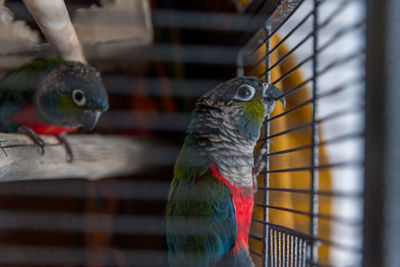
column 233, row 156
column 234, row 161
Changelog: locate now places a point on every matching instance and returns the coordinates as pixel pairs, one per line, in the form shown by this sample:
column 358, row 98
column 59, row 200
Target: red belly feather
column 243, row 201
column 28, row 117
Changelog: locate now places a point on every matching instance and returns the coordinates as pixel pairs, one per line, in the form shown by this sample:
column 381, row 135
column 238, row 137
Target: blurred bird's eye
column 245, row 92
column 79, row 97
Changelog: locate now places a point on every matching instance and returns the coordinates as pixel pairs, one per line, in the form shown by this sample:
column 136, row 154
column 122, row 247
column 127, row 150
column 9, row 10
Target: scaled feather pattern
column 210, row 201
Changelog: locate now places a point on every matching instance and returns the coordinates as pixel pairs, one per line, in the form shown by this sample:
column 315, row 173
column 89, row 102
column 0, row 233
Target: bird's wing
column 201, row 225
column 18, row 86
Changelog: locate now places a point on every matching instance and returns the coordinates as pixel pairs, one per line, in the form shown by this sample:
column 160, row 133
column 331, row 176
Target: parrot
column 211, row 196
column 51, row 96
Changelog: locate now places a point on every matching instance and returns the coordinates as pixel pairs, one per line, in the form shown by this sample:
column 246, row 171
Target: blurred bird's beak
column 89, row 119
column 271, row 91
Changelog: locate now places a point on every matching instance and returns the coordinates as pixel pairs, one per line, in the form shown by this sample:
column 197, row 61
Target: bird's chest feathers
column 29, row 117
column 243, row 201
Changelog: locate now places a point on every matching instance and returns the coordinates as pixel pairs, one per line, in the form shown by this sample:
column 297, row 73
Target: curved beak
column 89, row 119
column 275, row 93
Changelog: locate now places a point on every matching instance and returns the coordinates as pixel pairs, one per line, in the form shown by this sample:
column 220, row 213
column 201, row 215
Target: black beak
column 271, row 91
column 89, row 119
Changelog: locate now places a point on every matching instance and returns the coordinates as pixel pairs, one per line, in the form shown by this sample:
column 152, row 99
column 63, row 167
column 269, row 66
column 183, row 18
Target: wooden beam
column 95, row 157
column 113, row 23
column 54, row 21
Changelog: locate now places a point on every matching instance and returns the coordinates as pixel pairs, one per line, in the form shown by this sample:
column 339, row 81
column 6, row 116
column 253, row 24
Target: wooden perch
column 95, row 157
column 54, row 21
column 109, row 31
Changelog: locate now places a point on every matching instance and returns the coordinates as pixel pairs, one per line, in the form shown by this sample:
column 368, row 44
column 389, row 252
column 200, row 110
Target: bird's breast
column 243, row 201
column 28, row 117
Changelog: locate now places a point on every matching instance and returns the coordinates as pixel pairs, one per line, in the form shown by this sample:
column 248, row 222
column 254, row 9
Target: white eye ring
column 245, row 92
column 79, row 97
column 266, row 93
column 265, row 87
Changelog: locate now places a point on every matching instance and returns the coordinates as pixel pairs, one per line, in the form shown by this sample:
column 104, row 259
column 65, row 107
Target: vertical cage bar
column 279, row 249
column 296, row 255
column 313, row 256
column 291, row 262
column 275, row 248
column 272, row 248
column 382, row 145
column 267, row 166
column 305, row 253
column 300, row 252
column 283, row 248
column 287, row 249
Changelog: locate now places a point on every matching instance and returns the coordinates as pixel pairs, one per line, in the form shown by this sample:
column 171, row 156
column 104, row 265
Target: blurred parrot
column 210, row 200
column 51, row 96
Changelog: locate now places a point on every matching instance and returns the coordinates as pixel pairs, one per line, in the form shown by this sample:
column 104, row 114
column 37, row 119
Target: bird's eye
column 79, row 97
column 245, row 92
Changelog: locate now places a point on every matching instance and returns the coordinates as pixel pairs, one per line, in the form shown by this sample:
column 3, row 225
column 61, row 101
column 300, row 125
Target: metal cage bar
column 315, row 140
column 267, row 175
column 283, row 246
column 381, row 209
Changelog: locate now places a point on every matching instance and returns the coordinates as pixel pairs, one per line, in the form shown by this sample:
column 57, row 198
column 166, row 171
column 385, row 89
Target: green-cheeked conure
column 51, row 96
column 210, row 201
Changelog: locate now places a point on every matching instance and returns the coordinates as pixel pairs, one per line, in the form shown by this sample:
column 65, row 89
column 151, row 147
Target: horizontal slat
column 330, row 141
column 280, row 152
column 126, row 85
column 320, row 96
column 332, row 65
column 12, row 220
column 200, row 54
column 323, row 166
column 344, row 221
column 207, row 20
column 119, row 189
column 339, row 34
column 287, row 131
column 334, row 115
column 305, row 103
column 319, row 193
column 256, row 253
column 62, row 256
column 256, row 237
column 282, row 41
column 134, row 120
column 285, row 56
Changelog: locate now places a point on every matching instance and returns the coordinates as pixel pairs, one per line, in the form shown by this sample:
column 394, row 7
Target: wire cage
column 323, row 77
column 309, row 204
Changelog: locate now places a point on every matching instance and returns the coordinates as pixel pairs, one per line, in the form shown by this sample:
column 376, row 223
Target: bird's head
column 71, row 94
column 238, row 106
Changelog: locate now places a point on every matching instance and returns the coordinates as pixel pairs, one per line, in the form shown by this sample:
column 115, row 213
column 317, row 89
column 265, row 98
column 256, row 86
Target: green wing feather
column 200, row 223
column 18, row 86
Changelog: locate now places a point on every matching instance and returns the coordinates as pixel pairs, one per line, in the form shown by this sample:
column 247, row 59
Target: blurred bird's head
column 71, row 94
column 235, row 109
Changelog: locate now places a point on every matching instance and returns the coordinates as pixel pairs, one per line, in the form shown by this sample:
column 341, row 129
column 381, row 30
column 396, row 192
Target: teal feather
column 18, row 86
column 200, row 223
column 202, row 226
column 49, row 84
